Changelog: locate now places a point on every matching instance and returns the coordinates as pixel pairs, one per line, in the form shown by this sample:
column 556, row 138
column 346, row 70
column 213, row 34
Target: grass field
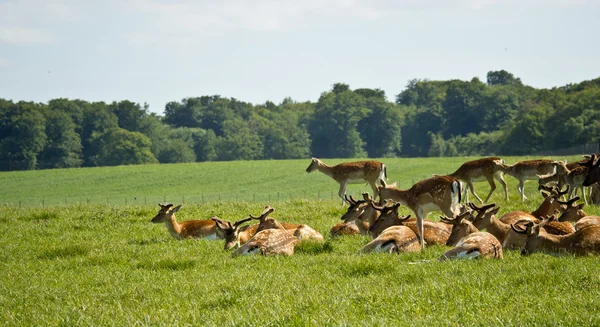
column 106, row 264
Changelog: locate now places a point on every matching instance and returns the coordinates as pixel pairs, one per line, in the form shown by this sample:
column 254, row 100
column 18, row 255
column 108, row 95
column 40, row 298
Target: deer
column 435, row 193
column 481, row 169
column 237, row 235
column 550, row 204
column 269, row 242
column 393, row 240
column 529, row 170
column 301, row 231
column 469, row 242
column 582, row 242
column 362, row 213
column 434, row 232
column 186, row 229
column 345, row 173
column 576, row 215
column 344, row 228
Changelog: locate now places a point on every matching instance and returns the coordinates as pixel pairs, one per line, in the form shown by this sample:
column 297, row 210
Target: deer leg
column 342, row 191
column 583, row 192
column 521, row 189
column 466, row 192
column 500, row 180
column 420, row 227
column 492, row 187
column 375, row 190
column 470, row 186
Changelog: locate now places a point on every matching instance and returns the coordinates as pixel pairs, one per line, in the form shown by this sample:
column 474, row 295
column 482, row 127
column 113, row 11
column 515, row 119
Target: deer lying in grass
column 185, row 229
column 272, row 237
column 576, row 215
column 434, row 232
column 351, row 173
column 236, row 234
column 528, row 170
column 481, row 169
column 550, row 204
column 393, row 240
column 435, row 193
column 582, row 242
column 357, row 219
column 361, row 213
column 469, row 242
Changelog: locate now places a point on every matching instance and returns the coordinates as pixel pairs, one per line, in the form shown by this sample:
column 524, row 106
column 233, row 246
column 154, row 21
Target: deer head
column 230, row 232
column 165, row 213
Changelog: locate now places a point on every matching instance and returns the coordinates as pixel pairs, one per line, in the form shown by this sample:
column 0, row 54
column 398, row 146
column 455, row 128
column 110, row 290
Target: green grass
column 102, row 265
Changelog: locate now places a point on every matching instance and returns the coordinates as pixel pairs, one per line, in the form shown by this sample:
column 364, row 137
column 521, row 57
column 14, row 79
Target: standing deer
column 529, row 170
column 435, row 193
column 482, row 169
column 185, row 229
column 351, row 173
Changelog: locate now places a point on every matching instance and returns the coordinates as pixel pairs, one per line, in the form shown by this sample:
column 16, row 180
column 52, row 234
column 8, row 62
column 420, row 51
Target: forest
column 501, row 116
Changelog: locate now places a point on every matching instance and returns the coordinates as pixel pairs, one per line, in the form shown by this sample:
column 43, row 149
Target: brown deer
column 579, row 217
column 434, row 232
column 582, row 242
column 435, row 193
column 269, row 242
column 351, row 173
column 469, row 242
column 237, row 234
column 185, row 229
column 301, row 231
column 481, row 169
column 529, row 170
column 393, row 240
column 593, row 174
column 363, row 217
column 344, row 228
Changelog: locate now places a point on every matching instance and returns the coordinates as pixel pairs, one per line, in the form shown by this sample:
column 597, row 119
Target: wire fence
column 179, row 199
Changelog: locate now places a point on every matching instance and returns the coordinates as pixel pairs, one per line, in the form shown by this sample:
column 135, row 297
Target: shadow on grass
column 64, row 252
column 313, row 247
column 167, row 264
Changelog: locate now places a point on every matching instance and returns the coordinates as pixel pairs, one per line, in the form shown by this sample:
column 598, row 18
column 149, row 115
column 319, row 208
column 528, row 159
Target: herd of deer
column 548, row 229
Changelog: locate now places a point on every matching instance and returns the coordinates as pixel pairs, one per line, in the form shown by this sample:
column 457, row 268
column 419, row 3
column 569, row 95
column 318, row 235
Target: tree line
column 428, row 118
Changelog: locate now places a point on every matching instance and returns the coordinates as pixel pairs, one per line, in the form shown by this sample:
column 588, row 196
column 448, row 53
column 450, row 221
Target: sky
column 155, row 52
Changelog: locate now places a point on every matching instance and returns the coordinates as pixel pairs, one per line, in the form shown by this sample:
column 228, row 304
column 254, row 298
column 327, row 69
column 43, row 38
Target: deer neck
column 495, row 227
column 173, row 227
column 403, row 197
column 544, row 208
column 325, row 169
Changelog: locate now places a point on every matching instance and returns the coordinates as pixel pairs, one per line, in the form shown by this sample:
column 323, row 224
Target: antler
column 456, row 220
column 239, row 222
column 522, row 228
column 482, row 208
column 570, row 202
column 264, row 214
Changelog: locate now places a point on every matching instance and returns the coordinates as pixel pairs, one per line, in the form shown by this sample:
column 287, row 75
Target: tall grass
column 109, row 265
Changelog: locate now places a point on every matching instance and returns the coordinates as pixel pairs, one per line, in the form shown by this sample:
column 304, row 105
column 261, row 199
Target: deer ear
column 220, row 224
column 176, row 208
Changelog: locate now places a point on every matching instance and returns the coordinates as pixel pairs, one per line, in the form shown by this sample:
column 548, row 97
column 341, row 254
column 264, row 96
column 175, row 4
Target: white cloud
column 25, row 36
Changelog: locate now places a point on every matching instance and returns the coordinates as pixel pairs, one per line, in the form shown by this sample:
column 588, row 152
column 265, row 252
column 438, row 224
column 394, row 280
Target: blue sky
column 159, row 51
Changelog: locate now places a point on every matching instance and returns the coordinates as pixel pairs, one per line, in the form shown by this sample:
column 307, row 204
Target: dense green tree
column 462, row 107
column 122, row 147
column 334, row 125
column 63, row 149
column 97, row 121
column 239, row 143
column 502, row 77
column 381, row 129
column 22, row 134
column 177, row 150
column 130, row 116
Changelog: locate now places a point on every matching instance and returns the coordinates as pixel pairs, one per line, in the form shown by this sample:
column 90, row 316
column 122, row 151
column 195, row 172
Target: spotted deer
column 582, row 242
column 434, row 232
column 529, row 170
column 435, row 193
column 351, row 173
column 469, row 242
column 575, row 214
column 185, row 229
column 393, row 240
column 481, row 169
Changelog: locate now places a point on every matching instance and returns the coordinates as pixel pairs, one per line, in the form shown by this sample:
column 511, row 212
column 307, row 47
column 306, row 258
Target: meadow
column 77, row 248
